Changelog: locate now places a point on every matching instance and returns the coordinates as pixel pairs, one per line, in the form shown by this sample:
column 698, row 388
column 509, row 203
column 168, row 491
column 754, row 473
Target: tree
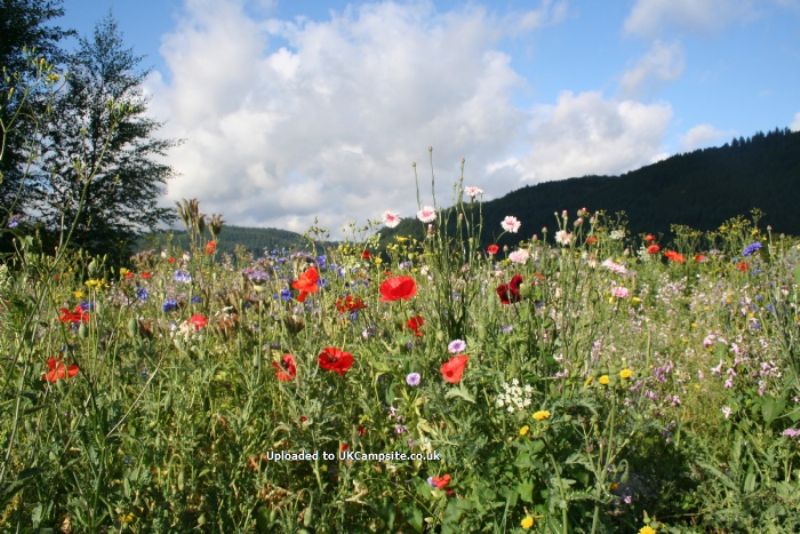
column 25, row 35
column 104, row 167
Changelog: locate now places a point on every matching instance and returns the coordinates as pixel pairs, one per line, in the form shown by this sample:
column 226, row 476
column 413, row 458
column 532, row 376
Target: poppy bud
column 133, row 327
column 83, row 331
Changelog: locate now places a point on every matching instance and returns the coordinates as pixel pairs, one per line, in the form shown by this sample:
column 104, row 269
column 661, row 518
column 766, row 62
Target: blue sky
column 296, row 103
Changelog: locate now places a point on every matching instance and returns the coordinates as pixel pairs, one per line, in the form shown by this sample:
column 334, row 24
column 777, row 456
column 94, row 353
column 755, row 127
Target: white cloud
column 662, row 63
column 652, row 18
column 292, row 121
column 795, row 127
column 548, row 13
column 703, row 135
column 327, row 120
column 587, row 134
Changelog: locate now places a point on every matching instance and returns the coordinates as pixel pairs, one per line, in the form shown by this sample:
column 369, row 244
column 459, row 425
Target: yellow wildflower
column 123, row 271
column 527, row 522
column 647, row 530
column 95, row 283
column 523, row 431
column 78, row 294
column 604, row 380
column 626, row 373
column 541, row 415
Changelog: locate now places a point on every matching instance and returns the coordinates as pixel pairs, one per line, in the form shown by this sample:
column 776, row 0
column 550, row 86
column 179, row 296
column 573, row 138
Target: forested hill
column 700, row 189
column 254, row 240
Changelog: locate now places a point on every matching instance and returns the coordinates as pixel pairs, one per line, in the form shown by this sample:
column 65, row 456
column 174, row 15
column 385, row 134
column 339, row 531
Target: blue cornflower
column 197, row 299
column 322, row 262
column 286, row 295
column 183, row 276
column 13, row 222
column 170, row 305
column 142, row 293
column 751, row 249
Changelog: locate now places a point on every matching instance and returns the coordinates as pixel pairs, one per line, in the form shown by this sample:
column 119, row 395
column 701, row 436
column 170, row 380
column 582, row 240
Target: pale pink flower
column 619, row 292
column 614, row 267
column 511, row 224
column 563, row 237
column 519, row 256
column 390, row 219
column 427, row 214
column 473, row 191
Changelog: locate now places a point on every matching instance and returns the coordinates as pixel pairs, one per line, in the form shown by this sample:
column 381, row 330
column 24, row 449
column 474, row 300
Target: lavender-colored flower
column 322, row 262
column 13, row 222
column 413, row 379
column 182, row 276
column 507, row 328
column 257, row 276
column 791, row 433
column 456, row 346
column 751, row 249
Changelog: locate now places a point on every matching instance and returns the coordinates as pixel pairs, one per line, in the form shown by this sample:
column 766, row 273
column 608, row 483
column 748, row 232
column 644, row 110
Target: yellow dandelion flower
column 626, row 373
column 647, row 530
column 541, row 415
column 94, row 283
column 78, row 294
column 527, row 522
column 523, row 431
column 604, row 380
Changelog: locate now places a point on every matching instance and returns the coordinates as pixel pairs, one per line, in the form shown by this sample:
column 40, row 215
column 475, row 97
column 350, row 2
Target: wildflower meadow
column 585, row 381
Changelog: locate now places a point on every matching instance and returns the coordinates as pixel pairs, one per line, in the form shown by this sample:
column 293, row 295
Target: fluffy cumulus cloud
column 285, row 121
column 288, row 121
column 795, row 126
column 661, row 64
column 587, row 133
column 703, row 135
column 652, row 18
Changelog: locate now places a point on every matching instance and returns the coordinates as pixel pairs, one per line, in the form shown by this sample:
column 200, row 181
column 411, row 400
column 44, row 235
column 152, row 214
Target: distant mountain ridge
column 254, row 240
column 700, row 189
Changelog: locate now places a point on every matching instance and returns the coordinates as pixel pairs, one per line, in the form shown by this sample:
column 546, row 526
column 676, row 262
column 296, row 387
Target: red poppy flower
column 699, row 258
column 362, row 430
column 144, row 275
column 211, row 247
column 453, row 369
column 58, row 371
column 509, row 292
column 344, row 446
column 743, row 266
column 77, row 315
column 306, row 283
column 350, row 304
column 171, row 260
column 415, row 323
column 286, row 369
column 129, row 275
column 649, row 238
column 440, row 482
column 591, row 240
column 336, row 360
column 675, row 257
column 199, row 321
column 653, row 249
column 365, row 255
column 492, row 249
column 398, row 288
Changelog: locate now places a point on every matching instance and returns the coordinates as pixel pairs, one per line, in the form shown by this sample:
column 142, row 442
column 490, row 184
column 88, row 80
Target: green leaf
column 460, row 392
column 771, row 408
column 525, row 490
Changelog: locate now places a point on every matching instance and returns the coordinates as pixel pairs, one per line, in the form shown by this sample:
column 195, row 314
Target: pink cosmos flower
column 510, row 224
column 619, row 292
column 390, row 219
column 427, row 214
column 563, row 237
column 519, row 256
column 473, row 191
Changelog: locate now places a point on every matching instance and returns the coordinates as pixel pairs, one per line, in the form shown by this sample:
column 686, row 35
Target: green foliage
column 102, row 167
